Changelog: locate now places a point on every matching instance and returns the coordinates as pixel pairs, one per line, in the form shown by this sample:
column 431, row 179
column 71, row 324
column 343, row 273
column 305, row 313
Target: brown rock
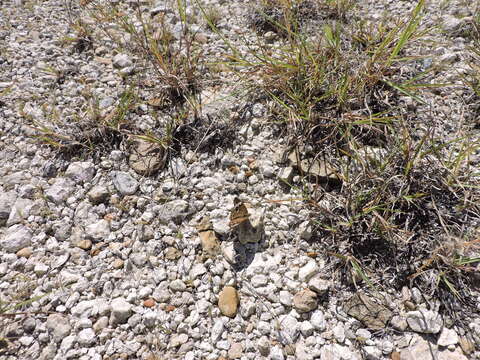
column 149, row 303
column 372, row 314
column 395, row 355
column 228, row 301
column 84, row 244
column 169, row 308
column 146, row 157
column 409, row 305
column 172, row 253
column 210, row 243
column 25, row 252
column 305, row 301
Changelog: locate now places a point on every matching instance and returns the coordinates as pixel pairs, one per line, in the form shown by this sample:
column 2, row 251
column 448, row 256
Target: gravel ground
column 100, row 261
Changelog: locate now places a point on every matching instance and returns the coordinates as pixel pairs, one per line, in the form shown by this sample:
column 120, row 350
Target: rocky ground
column 112, row 247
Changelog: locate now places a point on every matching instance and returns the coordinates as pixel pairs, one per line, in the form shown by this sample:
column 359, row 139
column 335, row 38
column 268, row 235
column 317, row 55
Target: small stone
column 178, row 339
column 121, row 311
column 307, row 271
column 289, row 329
column 306, row 230
column 276, row 353
column 86, row 337
column 49, row 170
column 235, row 351
column 363, row 334
column 100, row 324
column 267, row 170
column 399, row 323
column 117, row 263
column 197, row 270
column 223, row 345
column 121, row 61
column 263, row 345
column 228, row 301
column 124, row 183
column 169, row 308
column 40, row 269
column 29, row 324
column 409, row 305
column 68, row 343
column 336, row 352
column 161, row 295
column 451, row 23
column 7, row 200
column 84, row 244
column 58, row 326
column 425, row 321
column 372, row 352
column 176, row 211
column 339, row 332
column 286, row 174
column 306, row 328
column 319, row 285
column 447, row 337
column 305, row 301
column 178, row 285
column 217, row 331
column 20, row 211
column 259, row 280
column 419, row 348
column 98, row 194
column 98, row 231
column 17, row 237
column 302, row 352
column 80, row 171
column 60, row 190
column 25, row 252
column 139, row 259
column 149, row 303
column 285, row 298
column 318, row 320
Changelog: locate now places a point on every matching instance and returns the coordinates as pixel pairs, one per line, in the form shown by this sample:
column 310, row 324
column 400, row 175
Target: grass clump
column 408, row 199
column 165, row 74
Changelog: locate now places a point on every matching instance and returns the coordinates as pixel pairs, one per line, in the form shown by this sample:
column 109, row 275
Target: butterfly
column 239, row 213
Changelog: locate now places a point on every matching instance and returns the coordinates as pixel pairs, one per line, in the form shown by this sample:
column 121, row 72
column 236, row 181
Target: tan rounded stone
column 118, row 264
column 84, row 244
column 149, row 303
column 25, row 252
column 228, row 301
column 305, row 301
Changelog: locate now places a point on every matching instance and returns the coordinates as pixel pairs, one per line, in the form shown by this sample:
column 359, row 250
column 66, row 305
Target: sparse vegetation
column 405, row 215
